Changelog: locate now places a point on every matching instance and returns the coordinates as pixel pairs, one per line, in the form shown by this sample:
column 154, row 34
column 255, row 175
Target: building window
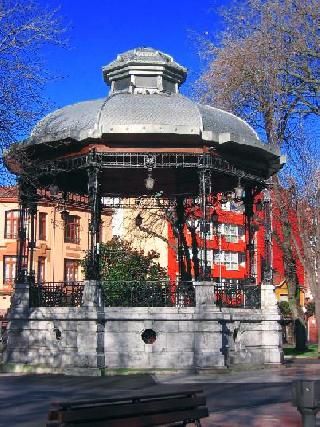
column 9, row 269
column 225, row 206
column 72, row 229
column 203, row 227
column 233, row 206
column 206, row 228
column 71, row 268
column 42, row 226
column 11, row 224
column 209, row 255
column 41, row 269
column 229, row 259
column 231, row 233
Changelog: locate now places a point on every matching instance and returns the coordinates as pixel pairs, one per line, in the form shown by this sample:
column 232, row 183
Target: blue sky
column 100, row 29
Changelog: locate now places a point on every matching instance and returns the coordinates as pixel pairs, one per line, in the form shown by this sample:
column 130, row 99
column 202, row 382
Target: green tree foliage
column 285, row 309
column 129, row 277
column 120, row 261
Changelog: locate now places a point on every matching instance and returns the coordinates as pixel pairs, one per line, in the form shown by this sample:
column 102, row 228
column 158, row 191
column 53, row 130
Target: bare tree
column 26, row 28
column 264, row 65
column 156, row 222
column 303, row 175
column 264, row 68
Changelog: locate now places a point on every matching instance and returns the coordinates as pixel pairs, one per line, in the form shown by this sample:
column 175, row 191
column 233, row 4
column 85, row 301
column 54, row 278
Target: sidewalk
column 257, row 398
column 292, row 370
column 281, row 414
column 277, row 415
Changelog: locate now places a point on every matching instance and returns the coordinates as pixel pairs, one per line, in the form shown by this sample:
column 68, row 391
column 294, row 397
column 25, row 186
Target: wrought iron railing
column 237, row 295
column 148, row 294
column 144, row 294
column 56, row 294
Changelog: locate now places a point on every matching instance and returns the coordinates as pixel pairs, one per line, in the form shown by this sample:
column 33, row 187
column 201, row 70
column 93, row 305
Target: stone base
column 98, row 341
column 20, row 368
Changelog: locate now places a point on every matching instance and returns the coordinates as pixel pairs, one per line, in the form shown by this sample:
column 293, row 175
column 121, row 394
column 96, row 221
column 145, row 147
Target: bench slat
column 111, row 411
column 130, row 397
column 141, row 421
column 130, row 410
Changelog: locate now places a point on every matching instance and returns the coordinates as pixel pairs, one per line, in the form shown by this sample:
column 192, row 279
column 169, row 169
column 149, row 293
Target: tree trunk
column 290, row 270
column 317, row 315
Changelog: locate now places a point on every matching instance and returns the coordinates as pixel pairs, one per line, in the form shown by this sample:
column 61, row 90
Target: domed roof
column 154, row 113
column 144, row 100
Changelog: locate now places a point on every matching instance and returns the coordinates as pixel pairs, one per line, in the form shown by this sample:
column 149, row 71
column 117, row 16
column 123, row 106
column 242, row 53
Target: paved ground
column 251, row 399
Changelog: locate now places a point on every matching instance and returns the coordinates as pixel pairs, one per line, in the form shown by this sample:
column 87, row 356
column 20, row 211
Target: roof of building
column 153, row 113
column 9, row 192
column 144, row 100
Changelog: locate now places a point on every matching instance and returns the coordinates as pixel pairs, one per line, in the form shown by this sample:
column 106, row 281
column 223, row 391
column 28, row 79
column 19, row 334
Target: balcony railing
column 56, row 294
column 237, row 295
column 148, row 294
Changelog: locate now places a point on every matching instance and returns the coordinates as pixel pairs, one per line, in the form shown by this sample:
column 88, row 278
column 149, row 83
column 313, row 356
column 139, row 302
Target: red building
column 235, row 254
column 235, row 246
column 226, row 245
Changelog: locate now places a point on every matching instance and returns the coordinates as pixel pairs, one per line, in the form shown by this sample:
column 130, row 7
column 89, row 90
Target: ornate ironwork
column 95, row 222
column 204, row 192
column 267, row 271
column 56, row 294
column 148, row 294
column 237, row 295
column 143, row 294
column 156, row 201
column 27, row 230
column 139, row 160
column 22, row 250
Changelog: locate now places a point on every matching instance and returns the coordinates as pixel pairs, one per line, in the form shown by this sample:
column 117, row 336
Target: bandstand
column 144, row 141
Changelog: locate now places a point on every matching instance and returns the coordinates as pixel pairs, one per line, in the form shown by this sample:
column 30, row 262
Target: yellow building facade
column 145, row 226
column 62, row 238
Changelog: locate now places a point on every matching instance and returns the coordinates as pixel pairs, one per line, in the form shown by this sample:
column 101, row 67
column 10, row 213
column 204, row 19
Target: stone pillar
column 208, row 333
column 271, row 334
column 92, row 294
column 101, row 326
column 20, row 300
column 268, row 298
column 17, row 339
column 204, row 293
column 93, row 302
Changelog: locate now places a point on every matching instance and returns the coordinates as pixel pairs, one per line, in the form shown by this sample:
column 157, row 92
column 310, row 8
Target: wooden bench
column 131, row 410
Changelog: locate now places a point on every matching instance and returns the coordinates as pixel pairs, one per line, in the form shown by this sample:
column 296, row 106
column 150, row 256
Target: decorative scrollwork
column 56, row 294
column 148, row 294
column 237, row 295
